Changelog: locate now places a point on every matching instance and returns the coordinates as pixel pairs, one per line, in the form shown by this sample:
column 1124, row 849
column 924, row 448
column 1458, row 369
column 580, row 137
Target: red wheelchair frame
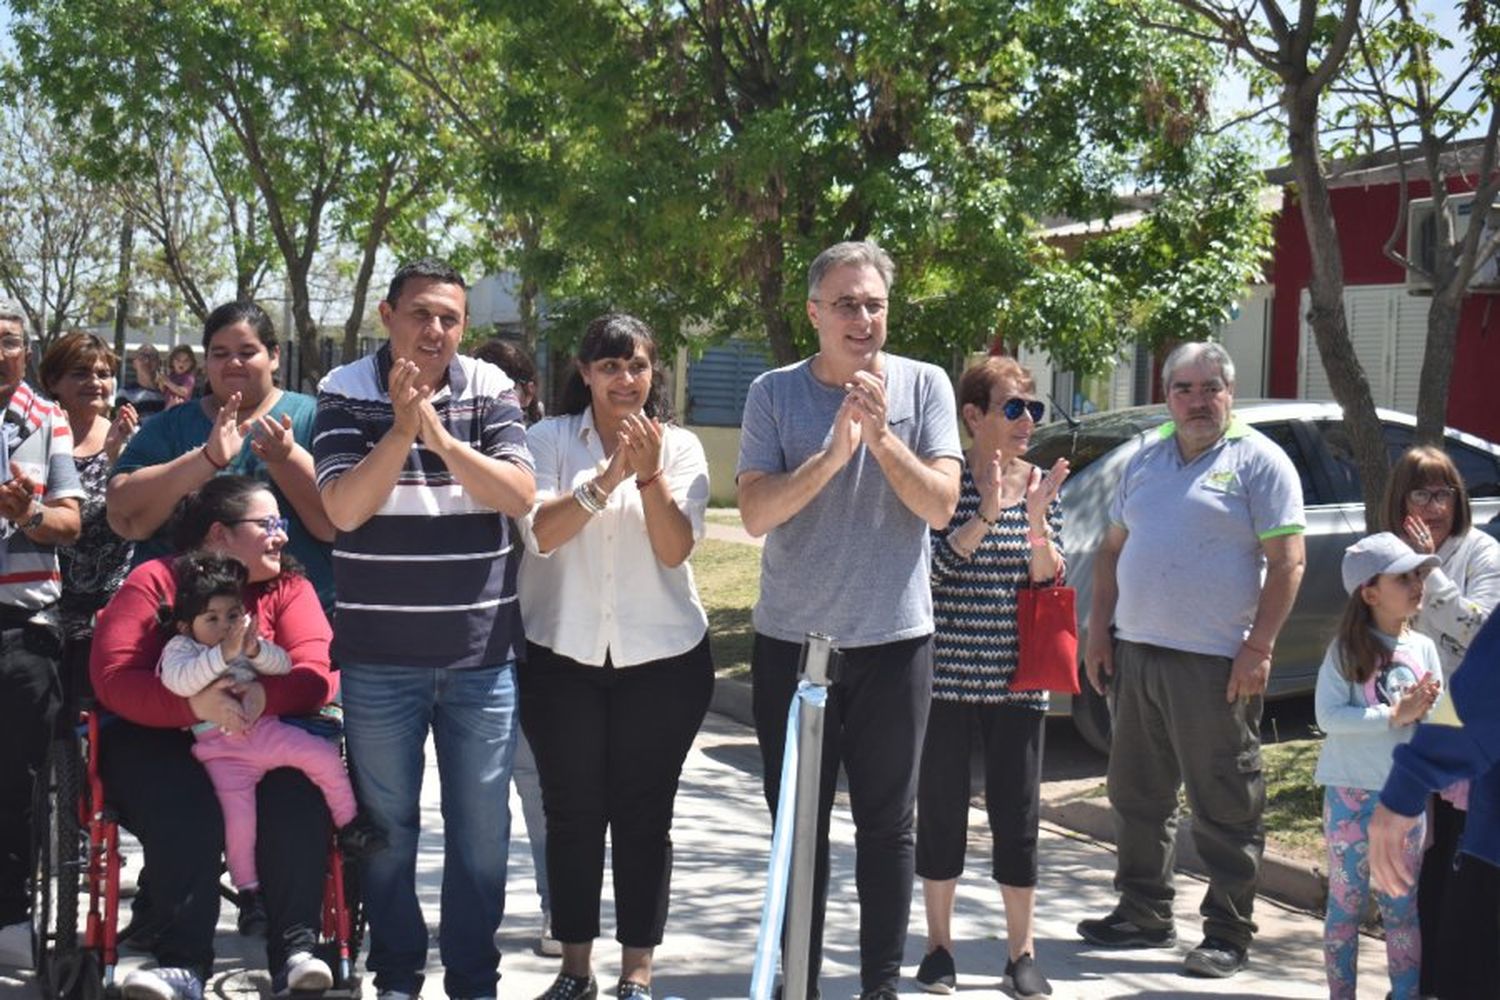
column 86, row 967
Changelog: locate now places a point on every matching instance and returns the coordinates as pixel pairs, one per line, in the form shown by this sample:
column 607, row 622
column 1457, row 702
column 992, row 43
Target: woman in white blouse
column 618, row 674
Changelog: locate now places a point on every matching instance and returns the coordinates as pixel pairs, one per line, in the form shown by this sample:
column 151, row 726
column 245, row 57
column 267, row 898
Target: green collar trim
column 1237, row 429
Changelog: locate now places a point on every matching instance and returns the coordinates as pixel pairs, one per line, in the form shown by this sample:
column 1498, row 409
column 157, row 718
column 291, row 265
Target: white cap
column 1380, row 553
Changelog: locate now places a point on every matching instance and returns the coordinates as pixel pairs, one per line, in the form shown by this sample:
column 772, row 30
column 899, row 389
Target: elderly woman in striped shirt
column 1003, row 536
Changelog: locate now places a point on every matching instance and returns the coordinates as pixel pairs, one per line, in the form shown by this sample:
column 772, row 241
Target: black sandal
column 566, row 987
column 629, row 989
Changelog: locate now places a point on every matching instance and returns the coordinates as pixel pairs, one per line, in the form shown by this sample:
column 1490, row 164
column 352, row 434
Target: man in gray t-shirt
column 1197, row 572
column 846, row 459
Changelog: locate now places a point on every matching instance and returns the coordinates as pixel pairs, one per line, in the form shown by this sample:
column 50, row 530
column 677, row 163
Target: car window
column 1281, row 433
column 1084, row 442
column 1480, row 472
column 1478, row 468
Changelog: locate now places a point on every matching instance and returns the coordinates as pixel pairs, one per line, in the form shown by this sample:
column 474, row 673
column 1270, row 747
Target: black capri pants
column 1012, row 737
column 610, row 744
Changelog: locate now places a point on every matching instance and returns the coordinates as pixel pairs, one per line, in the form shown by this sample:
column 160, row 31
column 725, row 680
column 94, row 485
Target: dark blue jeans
column 875, row 721
column 388, row 711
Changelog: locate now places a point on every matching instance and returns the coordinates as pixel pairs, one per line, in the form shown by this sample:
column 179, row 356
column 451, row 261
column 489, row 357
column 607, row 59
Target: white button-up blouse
column 603, row 591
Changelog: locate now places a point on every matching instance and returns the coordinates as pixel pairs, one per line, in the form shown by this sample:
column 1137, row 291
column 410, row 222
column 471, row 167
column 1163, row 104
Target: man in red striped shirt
column 38, row 511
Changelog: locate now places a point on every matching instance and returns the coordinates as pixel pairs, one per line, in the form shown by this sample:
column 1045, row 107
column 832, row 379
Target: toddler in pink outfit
column 216, row 641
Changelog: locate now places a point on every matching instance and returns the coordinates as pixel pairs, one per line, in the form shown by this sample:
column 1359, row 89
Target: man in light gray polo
column 1197, row 571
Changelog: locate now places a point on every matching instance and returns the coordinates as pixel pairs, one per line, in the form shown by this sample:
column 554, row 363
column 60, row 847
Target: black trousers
column 29, row 700
column 1458, row 905
column 609, row 745
column 873, row 723
column 164, row 797
column 1012, row 739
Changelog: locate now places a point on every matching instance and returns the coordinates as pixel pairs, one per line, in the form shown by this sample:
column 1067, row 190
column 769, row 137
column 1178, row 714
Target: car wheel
column 1091, row 715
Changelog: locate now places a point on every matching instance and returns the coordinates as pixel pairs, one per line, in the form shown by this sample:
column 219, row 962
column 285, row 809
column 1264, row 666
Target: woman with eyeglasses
column 164, row 795
column 1004, row 535
column 244, row 424
column 1458, row 900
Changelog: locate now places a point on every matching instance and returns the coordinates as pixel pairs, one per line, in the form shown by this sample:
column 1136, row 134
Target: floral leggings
column 1346, row 825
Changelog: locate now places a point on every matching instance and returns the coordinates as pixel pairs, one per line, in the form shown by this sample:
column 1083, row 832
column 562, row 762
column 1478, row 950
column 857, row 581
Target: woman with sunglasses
column 1003, row 536
column 164, row 795
column 1458, row 900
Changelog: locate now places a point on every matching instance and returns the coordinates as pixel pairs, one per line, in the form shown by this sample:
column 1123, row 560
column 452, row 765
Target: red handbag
column 1047, row 621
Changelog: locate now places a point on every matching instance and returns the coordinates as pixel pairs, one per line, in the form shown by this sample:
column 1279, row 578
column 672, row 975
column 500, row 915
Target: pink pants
column 235, row 764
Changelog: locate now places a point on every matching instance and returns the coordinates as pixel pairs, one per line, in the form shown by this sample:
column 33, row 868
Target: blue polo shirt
column 1192, row 568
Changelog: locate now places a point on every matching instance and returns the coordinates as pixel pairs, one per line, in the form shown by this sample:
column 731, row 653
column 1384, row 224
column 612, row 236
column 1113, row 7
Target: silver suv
column 1099, row 445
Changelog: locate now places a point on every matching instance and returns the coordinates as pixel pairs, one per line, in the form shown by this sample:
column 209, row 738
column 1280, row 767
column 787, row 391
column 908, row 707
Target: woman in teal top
column 243, row 425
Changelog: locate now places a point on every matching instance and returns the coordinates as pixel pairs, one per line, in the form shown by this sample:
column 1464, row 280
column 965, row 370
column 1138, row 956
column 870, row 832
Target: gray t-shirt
column 853, row 563
column 1192, row 567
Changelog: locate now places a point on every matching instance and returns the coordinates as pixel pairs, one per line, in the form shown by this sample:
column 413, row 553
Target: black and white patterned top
column 93, row 568
column 975, row 650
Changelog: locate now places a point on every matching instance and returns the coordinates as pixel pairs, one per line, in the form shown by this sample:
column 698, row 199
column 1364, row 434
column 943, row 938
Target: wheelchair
column 77, row 873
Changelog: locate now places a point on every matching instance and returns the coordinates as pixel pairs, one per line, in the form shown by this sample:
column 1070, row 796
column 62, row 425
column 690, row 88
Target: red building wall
column 1365, row 217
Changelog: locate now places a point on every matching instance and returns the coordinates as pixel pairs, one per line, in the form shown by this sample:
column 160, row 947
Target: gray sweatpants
column 1173, row 728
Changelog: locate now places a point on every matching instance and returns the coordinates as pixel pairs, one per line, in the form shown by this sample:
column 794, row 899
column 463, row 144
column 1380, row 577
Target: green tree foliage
column 686, row 160
column 320, row 135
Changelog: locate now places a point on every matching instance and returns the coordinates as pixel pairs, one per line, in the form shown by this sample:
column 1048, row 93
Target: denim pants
column 388, row 711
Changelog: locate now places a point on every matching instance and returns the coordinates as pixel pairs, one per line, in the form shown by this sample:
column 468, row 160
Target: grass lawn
column 723, row 515
column 1294, row 804
column 728, row 577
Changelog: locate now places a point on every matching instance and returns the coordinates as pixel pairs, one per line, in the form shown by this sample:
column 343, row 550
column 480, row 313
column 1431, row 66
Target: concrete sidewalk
column 721, row 836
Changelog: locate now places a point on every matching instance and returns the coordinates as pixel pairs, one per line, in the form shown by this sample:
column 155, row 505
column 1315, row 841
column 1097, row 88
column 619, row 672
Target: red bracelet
column 1256, row 649
column 641, row 484
column 209, row 459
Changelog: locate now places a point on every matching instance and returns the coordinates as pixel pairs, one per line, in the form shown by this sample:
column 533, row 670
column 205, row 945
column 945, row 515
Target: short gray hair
column 1194, row 351
column 856, row 252
column 11, row 309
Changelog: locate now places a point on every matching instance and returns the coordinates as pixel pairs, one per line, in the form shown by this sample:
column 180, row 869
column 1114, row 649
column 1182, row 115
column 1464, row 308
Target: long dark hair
column 615, row 335
column 1361, row 654
column 511, row 358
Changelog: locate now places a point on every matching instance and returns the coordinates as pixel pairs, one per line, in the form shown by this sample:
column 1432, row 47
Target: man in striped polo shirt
column 38, row 510
column 421, row 461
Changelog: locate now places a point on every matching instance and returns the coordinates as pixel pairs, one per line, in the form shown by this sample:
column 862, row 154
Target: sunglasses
column 1015, row 406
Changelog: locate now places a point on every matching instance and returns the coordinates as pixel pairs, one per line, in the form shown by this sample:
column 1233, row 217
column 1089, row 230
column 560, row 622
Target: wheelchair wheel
column 64, row 971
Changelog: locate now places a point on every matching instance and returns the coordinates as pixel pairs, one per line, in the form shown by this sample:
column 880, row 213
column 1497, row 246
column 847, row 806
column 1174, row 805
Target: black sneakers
column 1026, row 979
column 936, row 974
column 1117, row 931
column 1215, row 958
column 252, row 920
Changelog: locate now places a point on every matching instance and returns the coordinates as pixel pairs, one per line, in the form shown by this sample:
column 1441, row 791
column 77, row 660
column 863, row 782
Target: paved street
column 721, row 835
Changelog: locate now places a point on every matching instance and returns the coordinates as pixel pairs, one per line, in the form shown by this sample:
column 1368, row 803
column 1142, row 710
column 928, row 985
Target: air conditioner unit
column 1421, row 242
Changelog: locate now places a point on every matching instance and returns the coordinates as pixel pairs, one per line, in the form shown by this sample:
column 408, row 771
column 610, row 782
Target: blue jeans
column 472, row 714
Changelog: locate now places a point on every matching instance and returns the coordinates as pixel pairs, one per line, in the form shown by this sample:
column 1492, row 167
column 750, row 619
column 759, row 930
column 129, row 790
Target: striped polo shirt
column 430, row 579
column 36, row 438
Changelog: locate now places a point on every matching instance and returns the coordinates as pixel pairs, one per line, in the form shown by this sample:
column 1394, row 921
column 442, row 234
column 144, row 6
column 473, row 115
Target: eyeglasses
column 1441, row 495
column 1015, row 406
column 11, row 346
column 271, row 525
column 849, row 307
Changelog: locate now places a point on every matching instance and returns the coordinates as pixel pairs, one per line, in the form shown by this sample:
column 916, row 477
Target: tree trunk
column 1326, row 294
column 122, row 282
column 530, row 290
column 770, row 258
column 1437, row 363
column 310, row 360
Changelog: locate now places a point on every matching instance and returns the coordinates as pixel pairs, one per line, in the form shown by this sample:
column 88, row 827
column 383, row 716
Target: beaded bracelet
column 641, row 484
column 209, row 459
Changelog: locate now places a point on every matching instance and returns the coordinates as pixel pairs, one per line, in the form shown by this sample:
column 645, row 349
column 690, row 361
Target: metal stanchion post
column 817, row 657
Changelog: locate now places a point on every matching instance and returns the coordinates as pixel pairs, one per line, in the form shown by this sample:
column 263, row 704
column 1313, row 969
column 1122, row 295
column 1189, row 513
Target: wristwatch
column 35, row 520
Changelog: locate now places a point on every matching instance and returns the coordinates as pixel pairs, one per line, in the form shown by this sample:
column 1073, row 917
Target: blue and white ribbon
column 768, row 944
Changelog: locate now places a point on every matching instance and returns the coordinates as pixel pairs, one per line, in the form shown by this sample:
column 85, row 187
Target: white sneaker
column 15, row 946
column 548, row 945
column 304, row 971
column 162, row 984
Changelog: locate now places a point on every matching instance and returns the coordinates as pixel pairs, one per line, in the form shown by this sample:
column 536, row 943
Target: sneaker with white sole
column 1026, row 979
column 936, row 974
column 303, row 972
column 16, row 946
column 548, row 945
column 167, row 983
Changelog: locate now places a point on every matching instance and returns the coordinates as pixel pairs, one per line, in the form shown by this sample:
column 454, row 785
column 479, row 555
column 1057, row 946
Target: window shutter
column 718, row 381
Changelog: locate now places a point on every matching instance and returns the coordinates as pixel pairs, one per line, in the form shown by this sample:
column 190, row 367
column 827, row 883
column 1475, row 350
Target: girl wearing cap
column 1378, row 679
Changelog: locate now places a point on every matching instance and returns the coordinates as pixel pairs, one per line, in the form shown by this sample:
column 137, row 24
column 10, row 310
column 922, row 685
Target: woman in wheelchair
column 163, row 794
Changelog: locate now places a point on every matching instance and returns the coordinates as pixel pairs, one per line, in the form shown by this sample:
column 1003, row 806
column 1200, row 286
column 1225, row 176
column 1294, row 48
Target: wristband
column 641, row 484
column 209, row 459
column 980, row 514
column 1256, row 649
